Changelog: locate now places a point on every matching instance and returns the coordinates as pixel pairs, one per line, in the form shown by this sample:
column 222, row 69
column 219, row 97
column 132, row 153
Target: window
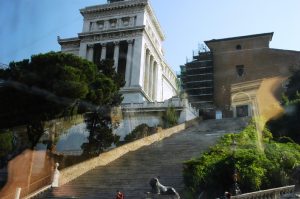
column 238, row 47
column 240, row 70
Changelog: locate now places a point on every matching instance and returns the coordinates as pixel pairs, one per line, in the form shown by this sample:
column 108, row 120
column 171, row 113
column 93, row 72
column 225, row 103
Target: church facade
column 128, row 32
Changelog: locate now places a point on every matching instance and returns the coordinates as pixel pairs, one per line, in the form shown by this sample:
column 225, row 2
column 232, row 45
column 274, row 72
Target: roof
column 270, row 34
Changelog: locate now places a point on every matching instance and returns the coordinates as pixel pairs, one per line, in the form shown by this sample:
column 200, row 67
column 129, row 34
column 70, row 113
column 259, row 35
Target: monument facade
column 128, row 32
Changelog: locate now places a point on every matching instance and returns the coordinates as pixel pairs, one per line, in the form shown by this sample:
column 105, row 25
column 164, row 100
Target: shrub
column 213, row 171
column 142, row 130
column 6, row 143
column 170, row 117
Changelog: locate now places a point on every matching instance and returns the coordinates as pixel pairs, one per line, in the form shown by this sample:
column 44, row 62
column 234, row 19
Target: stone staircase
column 131, row 173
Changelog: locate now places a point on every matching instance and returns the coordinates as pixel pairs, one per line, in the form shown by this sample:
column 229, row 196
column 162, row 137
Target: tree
column 104, row 94
column 45, row 87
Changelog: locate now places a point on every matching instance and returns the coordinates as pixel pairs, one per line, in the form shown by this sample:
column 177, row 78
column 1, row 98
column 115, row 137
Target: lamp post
column 235, row 188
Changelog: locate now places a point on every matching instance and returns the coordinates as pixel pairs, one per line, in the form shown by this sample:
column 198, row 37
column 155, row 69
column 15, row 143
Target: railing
column 267, row 194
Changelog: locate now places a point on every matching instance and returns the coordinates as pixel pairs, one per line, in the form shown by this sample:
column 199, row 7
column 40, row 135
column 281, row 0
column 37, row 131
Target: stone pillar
column 103, row 51
column 116, row 55
column 90, row 55
column 154, row 90
column 151, row 78
column 128, row 63
column 146, row 74
column 137, row 56
column 83, row 50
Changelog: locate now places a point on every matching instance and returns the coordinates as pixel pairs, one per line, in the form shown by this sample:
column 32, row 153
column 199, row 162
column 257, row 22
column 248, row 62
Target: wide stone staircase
column 131, row 173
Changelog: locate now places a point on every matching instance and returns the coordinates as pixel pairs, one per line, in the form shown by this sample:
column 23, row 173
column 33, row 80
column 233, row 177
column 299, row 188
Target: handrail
column 269, row 193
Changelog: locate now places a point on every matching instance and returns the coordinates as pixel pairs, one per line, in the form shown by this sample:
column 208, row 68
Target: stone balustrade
column 276, row 193
column 174, row 102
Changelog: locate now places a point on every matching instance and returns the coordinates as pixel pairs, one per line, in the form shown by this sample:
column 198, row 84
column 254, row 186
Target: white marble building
column 128, row 32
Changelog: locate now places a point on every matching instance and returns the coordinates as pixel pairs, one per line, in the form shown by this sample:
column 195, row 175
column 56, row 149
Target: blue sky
column 32, row 26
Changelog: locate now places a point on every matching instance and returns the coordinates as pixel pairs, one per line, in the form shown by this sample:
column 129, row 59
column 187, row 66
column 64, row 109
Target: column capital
column 117, row 43
column 103, row 45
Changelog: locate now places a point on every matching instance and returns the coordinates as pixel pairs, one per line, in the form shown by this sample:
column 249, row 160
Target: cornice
column 113, row 6
column 155, row 22
column 73, row 40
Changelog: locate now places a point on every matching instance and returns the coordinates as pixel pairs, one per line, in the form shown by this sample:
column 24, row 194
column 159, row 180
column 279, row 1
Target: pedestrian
column 120, row 195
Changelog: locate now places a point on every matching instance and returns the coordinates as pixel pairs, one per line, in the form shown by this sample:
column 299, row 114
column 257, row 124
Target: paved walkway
column 132, row 172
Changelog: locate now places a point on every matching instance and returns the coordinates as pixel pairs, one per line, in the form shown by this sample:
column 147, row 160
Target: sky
column 32, row 26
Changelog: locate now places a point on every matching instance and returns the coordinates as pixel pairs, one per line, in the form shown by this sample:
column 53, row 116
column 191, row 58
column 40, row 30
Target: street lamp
column 235, row 188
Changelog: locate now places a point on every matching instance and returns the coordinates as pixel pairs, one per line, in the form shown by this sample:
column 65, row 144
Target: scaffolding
column 197, row 80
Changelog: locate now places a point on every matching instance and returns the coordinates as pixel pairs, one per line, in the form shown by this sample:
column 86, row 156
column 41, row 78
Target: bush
column 213, row 171
column 6, row 143
column 170, row 117
column 141, row 131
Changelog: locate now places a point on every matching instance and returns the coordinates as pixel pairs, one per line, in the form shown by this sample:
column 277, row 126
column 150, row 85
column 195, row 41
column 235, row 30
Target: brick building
column 248, row 75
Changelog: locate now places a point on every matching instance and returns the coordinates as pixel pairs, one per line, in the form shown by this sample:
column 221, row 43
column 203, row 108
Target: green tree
column 45, row 87
column 104, row 94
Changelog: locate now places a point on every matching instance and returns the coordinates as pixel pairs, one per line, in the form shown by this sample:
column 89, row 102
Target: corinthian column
column 128, row 63
column 103, row 51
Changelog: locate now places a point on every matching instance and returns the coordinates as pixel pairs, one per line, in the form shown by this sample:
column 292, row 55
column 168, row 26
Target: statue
column 158, row 188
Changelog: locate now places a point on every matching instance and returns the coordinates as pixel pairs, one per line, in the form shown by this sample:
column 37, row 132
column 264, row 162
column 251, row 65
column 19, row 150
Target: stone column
column 116, row 55
column 159, row 83
column 154, row 90
column 90, row 55
column 137, row 56
column 103, row 51
column 128, row 63
column 151, row 78
column 83, row 50
column 146, row 74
